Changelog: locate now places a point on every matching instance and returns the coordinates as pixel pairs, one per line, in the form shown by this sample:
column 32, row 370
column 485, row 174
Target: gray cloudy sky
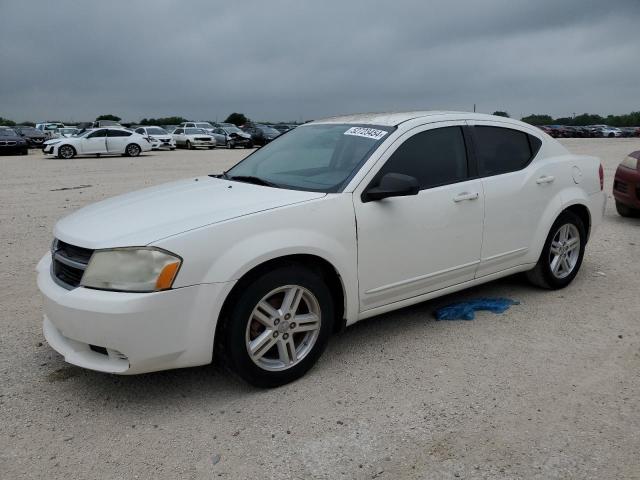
column 293, row 59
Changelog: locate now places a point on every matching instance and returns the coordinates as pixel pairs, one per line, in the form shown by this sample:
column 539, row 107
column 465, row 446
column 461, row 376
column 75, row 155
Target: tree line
column 627, row 120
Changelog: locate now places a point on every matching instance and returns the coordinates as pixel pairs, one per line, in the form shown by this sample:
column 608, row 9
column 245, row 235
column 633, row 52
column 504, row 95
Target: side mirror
column 392, row 185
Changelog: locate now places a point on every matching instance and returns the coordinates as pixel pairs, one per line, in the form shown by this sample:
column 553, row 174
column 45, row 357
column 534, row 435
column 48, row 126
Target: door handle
column 545, row 179
column 461, row 197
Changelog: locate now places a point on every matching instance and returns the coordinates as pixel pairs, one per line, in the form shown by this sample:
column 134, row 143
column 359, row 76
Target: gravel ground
column 549, row 389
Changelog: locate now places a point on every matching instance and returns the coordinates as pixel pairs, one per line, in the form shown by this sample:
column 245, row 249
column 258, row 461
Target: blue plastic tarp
column 466, row 310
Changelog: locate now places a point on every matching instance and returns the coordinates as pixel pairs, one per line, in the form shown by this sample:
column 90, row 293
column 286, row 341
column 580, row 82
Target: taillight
column 601, row 173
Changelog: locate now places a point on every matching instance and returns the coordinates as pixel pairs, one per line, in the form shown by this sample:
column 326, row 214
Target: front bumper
column 626, row 187
column 128, row 333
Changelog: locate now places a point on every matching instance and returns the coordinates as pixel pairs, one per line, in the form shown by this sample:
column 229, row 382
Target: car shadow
column 213, row 384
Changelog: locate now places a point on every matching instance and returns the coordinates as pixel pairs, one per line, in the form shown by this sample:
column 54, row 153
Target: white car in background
column 203, row 125
column 191, row 138
column 99, row 141
column 160, row 138
column 337, row 221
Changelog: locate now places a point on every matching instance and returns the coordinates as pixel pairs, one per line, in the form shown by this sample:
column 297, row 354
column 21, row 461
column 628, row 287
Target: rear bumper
column 626, row 187
column 130, row 332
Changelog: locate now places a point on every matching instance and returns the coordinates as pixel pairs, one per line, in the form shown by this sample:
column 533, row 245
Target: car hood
column 142, row 217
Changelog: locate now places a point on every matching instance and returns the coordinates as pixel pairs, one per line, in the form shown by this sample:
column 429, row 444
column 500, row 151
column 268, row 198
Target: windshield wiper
column 250, row 179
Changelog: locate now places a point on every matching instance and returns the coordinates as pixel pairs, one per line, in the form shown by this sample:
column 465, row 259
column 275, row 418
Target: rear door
column 117, row 140
column 518, row 188
column 178, row 136
column 95, row 142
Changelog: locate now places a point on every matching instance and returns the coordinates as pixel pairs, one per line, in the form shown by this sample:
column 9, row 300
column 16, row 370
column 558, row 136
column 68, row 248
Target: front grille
column 69, row 263
column 9, row 143
column 620, row 186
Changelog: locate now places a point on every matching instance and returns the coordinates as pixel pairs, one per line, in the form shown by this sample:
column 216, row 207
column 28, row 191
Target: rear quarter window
column 502, row 150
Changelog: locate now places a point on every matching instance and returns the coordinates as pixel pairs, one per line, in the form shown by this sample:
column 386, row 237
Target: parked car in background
column 160, row 138
column 281, row 127
column 191, row 138
column 629, row 131
column 34, row 137
column 12, row 143
column 261, row 134
column 49, row 128
column 626, row 186
column 105, row 123
column 99, row 141
column 339, row 220
column 232, row 137
column 203, row 125
column 67, row 131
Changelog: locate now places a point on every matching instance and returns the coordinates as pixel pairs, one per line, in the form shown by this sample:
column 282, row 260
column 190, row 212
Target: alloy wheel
column 283, row 328
column 564, row 251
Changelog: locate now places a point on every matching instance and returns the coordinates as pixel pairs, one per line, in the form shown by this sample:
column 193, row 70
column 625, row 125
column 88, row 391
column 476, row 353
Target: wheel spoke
column 291, row 300
column 565, row 265
column 306, row 322
column 555, row 248
column 564, row 233
column 555, row 264
column 287, row 351
column 573, row 243
column 265, row 314
column 262, row 344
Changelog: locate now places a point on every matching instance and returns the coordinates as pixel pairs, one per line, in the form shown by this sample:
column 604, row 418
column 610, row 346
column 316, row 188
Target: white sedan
column 191, row 138
column 99, row 141
column 336, row 221
column 160, row 138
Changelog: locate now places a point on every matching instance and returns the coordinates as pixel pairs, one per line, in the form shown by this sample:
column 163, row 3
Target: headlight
column 630, row 162
column 131, row 270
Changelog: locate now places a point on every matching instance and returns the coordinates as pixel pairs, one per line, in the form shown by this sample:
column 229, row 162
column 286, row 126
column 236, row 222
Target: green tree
column 6, row 122
column 501, row 114
column 163, row 121
column 538, row 119
column 28, row 124
column 237, row 119
column 108, row 117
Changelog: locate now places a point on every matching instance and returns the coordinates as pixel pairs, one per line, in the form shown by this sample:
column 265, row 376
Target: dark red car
column 626, row 186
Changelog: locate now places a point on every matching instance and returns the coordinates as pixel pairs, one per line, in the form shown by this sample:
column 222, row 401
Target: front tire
column 188, row 145
column 279, row 326
column 562, row 253
column 626, row 211
column 66, row 152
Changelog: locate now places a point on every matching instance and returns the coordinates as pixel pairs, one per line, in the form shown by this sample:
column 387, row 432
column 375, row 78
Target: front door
column 412, row 245
column 95, row 142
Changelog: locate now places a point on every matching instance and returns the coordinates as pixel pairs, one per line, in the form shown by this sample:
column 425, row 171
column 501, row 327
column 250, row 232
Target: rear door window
column 502, row 150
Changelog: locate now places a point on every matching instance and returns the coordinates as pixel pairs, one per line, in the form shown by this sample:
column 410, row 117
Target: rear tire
column 625, row 210
column 562, row 253
column 132, row 150
column 284, row 347
column 188, row 145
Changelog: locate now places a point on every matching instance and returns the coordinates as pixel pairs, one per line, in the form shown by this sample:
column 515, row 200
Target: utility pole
column 474, row 108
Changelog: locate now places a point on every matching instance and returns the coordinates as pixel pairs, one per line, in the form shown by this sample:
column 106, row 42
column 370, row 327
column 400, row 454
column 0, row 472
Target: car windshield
column 232, row 130
column 193, row 131
column 29, row 130
column 320, row 157
column 156, row 131
column 7, row 132
column 204, row 125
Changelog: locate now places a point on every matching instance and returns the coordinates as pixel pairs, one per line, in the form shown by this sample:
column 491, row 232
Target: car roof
column 393, row 119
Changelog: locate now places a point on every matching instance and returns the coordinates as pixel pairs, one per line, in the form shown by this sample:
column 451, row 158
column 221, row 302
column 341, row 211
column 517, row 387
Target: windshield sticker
column 366, row 132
